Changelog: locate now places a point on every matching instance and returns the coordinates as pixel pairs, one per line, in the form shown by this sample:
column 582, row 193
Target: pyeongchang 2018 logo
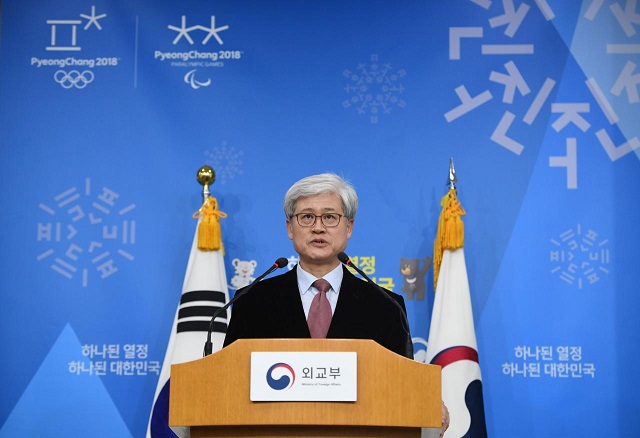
column 64, row 46
column 280, row 376
column 197, row 47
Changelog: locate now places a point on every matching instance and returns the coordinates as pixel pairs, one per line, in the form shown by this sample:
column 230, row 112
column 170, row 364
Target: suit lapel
column 349, row 305
column 291, row 311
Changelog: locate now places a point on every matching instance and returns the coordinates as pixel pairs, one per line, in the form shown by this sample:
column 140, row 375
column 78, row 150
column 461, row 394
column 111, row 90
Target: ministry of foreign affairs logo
column 86, row 233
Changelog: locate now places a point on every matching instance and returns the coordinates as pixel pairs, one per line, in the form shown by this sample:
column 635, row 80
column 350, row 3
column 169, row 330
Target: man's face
column 319, row 245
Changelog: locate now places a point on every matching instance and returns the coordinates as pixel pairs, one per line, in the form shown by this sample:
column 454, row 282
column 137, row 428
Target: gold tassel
column 450, row 233
column 209, row 234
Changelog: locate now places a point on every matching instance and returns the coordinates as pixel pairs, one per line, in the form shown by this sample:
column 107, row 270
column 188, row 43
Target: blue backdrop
column 108, row 108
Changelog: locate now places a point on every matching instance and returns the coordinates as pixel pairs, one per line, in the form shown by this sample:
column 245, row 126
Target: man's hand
column 445, row 420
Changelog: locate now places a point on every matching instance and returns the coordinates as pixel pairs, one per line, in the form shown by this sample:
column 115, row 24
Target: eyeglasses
column 329, row 220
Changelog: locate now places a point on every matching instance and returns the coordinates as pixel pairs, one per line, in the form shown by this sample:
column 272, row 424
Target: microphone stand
column 208, row 346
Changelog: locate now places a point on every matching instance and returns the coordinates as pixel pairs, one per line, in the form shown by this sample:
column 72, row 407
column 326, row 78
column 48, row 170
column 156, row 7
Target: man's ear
column 289, row 229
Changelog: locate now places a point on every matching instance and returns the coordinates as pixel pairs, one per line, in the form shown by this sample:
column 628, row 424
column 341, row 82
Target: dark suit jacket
column 273, row 309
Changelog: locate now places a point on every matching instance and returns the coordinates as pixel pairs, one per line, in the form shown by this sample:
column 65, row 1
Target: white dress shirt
column 307, row 292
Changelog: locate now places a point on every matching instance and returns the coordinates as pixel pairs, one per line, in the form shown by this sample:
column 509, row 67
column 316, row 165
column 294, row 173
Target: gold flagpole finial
column 206, row 175
column 209, row 234
column 450, row 234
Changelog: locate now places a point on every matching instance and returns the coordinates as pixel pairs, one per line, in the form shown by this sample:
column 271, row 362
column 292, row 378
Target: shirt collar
column 305, row 279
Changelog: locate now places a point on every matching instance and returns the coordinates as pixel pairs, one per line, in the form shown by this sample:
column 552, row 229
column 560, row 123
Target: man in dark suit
column 273, row 309
column 320, row 212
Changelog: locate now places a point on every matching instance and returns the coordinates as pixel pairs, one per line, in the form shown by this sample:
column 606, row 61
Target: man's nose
column 318, row 226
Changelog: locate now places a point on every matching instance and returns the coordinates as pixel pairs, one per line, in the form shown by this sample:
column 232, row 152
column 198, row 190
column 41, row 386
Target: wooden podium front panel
column 393, row 391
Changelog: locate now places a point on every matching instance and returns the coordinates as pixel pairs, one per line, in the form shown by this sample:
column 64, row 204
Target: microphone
column 405, row 323
column 208, row 346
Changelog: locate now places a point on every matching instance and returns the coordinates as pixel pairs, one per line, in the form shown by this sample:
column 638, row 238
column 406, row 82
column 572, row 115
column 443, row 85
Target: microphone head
column 344, row 258
column 281, row 263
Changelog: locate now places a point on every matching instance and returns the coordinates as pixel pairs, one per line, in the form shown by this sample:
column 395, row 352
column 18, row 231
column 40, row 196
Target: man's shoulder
column 280, row 278
column 274, row 282
column 362, row 286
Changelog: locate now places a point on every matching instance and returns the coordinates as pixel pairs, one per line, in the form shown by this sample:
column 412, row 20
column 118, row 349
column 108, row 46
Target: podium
column 396, row 396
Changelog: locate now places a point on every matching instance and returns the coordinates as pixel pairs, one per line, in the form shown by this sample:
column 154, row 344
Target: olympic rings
column 74, row 78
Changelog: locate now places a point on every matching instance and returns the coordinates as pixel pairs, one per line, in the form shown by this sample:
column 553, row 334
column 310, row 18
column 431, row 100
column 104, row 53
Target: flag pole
column 452, row 340
column 203, row 291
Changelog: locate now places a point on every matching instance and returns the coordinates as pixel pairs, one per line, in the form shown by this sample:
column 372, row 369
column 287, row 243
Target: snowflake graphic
column 226, row 162
column 580, row 257
column 292, row 262
column 86, row 233
column 374, row 89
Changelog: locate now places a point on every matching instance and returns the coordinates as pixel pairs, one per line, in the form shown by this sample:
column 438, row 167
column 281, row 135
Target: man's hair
column 322, row 184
